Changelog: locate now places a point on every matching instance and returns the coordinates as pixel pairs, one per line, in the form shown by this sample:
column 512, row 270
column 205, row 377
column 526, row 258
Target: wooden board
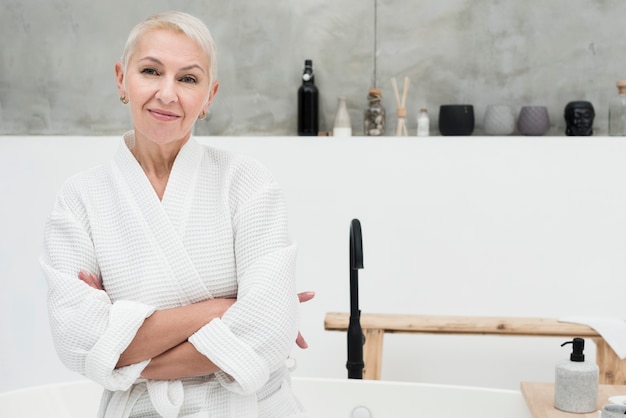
column 390, row 323
column 539, row 397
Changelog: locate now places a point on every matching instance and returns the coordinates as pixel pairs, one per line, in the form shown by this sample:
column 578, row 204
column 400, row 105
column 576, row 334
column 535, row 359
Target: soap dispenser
column 576, row 381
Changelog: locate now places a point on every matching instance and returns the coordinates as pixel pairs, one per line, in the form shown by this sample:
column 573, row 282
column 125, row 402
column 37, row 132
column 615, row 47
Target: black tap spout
column 355, row 362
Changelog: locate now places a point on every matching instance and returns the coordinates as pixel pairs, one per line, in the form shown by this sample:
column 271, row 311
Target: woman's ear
column 119, row 79
column 212, row 92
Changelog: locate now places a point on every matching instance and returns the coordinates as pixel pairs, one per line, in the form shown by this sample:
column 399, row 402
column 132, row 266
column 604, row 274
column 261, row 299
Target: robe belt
column 166, row 396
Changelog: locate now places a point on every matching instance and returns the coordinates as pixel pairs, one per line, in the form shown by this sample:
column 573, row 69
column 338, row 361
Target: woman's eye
column 188, row 79
column 150, row 71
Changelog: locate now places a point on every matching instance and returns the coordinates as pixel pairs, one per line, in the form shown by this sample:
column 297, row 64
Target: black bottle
column 308, row 102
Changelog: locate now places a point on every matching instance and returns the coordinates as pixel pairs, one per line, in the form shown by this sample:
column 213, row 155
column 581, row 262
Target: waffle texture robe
column 220, row 230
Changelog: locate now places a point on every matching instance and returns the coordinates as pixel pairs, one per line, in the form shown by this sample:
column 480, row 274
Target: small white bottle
column 576, row 382
column 423, row 123
column 342, row 125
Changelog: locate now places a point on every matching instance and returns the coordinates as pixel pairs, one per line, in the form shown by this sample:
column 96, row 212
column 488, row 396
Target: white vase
column 499, row 120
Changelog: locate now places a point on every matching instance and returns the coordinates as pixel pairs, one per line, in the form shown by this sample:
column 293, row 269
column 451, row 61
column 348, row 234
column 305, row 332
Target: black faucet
column 356, row 339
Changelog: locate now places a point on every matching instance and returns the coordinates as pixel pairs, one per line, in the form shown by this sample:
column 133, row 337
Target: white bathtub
column 343, row 398
column 323, row 398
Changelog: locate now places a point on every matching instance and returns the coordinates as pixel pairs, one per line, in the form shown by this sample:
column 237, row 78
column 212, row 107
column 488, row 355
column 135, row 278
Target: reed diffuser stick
column 401, row 112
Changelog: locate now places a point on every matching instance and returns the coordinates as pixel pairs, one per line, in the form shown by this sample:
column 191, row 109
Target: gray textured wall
column 57, row 57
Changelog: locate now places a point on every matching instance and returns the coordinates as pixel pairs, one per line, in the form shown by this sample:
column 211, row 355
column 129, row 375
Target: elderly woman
column 170, row 270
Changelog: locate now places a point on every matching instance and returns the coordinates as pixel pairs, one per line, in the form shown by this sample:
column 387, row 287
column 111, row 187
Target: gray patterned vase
column 533, row 120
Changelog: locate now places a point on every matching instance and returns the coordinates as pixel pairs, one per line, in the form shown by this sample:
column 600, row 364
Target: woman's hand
column 303, row 297
column 91, row 279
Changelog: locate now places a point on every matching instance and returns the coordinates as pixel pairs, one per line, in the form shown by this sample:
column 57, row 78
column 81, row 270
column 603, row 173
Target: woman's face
column 167, row 85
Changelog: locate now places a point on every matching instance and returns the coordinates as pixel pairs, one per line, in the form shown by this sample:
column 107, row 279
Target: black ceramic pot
column 456, row 120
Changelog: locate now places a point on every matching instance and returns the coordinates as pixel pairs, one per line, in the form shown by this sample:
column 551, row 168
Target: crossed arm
column 163, row 337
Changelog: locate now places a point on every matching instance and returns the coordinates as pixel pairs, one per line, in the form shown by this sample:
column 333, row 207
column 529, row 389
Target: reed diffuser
column 401, row 112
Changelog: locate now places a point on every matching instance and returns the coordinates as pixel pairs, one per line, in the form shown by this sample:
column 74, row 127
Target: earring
column 124, row 99
column 202, row 115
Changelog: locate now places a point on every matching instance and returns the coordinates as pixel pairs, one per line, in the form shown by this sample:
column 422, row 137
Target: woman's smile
column 163, row 115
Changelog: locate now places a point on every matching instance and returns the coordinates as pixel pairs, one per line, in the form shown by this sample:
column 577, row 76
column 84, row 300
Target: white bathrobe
column 220, row 230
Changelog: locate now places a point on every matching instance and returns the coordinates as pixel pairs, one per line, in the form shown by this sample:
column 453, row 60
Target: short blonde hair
column 178, row 22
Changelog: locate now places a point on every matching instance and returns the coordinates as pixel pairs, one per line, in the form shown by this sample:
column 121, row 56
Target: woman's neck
column 157, row 162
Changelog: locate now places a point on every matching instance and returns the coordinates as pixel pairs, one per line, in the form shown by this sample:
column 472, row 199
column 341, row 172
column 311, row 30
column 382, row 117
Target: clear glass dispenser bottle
column 617, row 111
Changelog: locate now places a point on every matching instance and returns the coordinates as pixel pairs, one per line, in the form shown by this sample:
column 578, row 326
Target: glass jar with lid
column 374, row 118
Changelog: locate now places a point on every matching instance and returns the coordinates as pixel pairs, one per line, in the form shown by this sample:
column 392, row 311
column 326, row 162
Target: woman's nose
column 166, row 92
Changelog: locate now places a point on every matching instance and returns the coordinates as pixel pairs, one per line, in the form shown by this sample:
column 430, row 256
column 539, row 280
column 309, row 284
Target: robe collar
column 166, row 219
column 181, row 184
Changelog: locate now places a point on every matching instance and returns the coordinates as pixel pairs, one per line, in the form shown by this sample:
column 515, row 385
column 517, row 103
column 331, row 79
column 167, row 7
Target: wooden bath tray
column 612, row 369
column 539, row 398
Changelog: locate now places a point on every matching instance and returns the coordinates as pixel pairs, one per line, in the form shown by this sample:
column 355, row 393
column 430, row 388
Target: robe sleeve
column 254, row 337
column 89, row 332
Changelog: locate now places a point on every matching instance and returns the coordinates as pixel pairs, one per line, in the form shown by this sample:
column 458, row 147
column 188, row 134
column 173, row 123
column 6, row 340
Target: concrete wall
column 57, row 57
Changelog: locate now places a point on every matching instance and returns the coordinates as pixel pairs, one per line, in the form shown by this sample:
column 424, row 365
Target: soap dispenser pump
column 576, row 381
